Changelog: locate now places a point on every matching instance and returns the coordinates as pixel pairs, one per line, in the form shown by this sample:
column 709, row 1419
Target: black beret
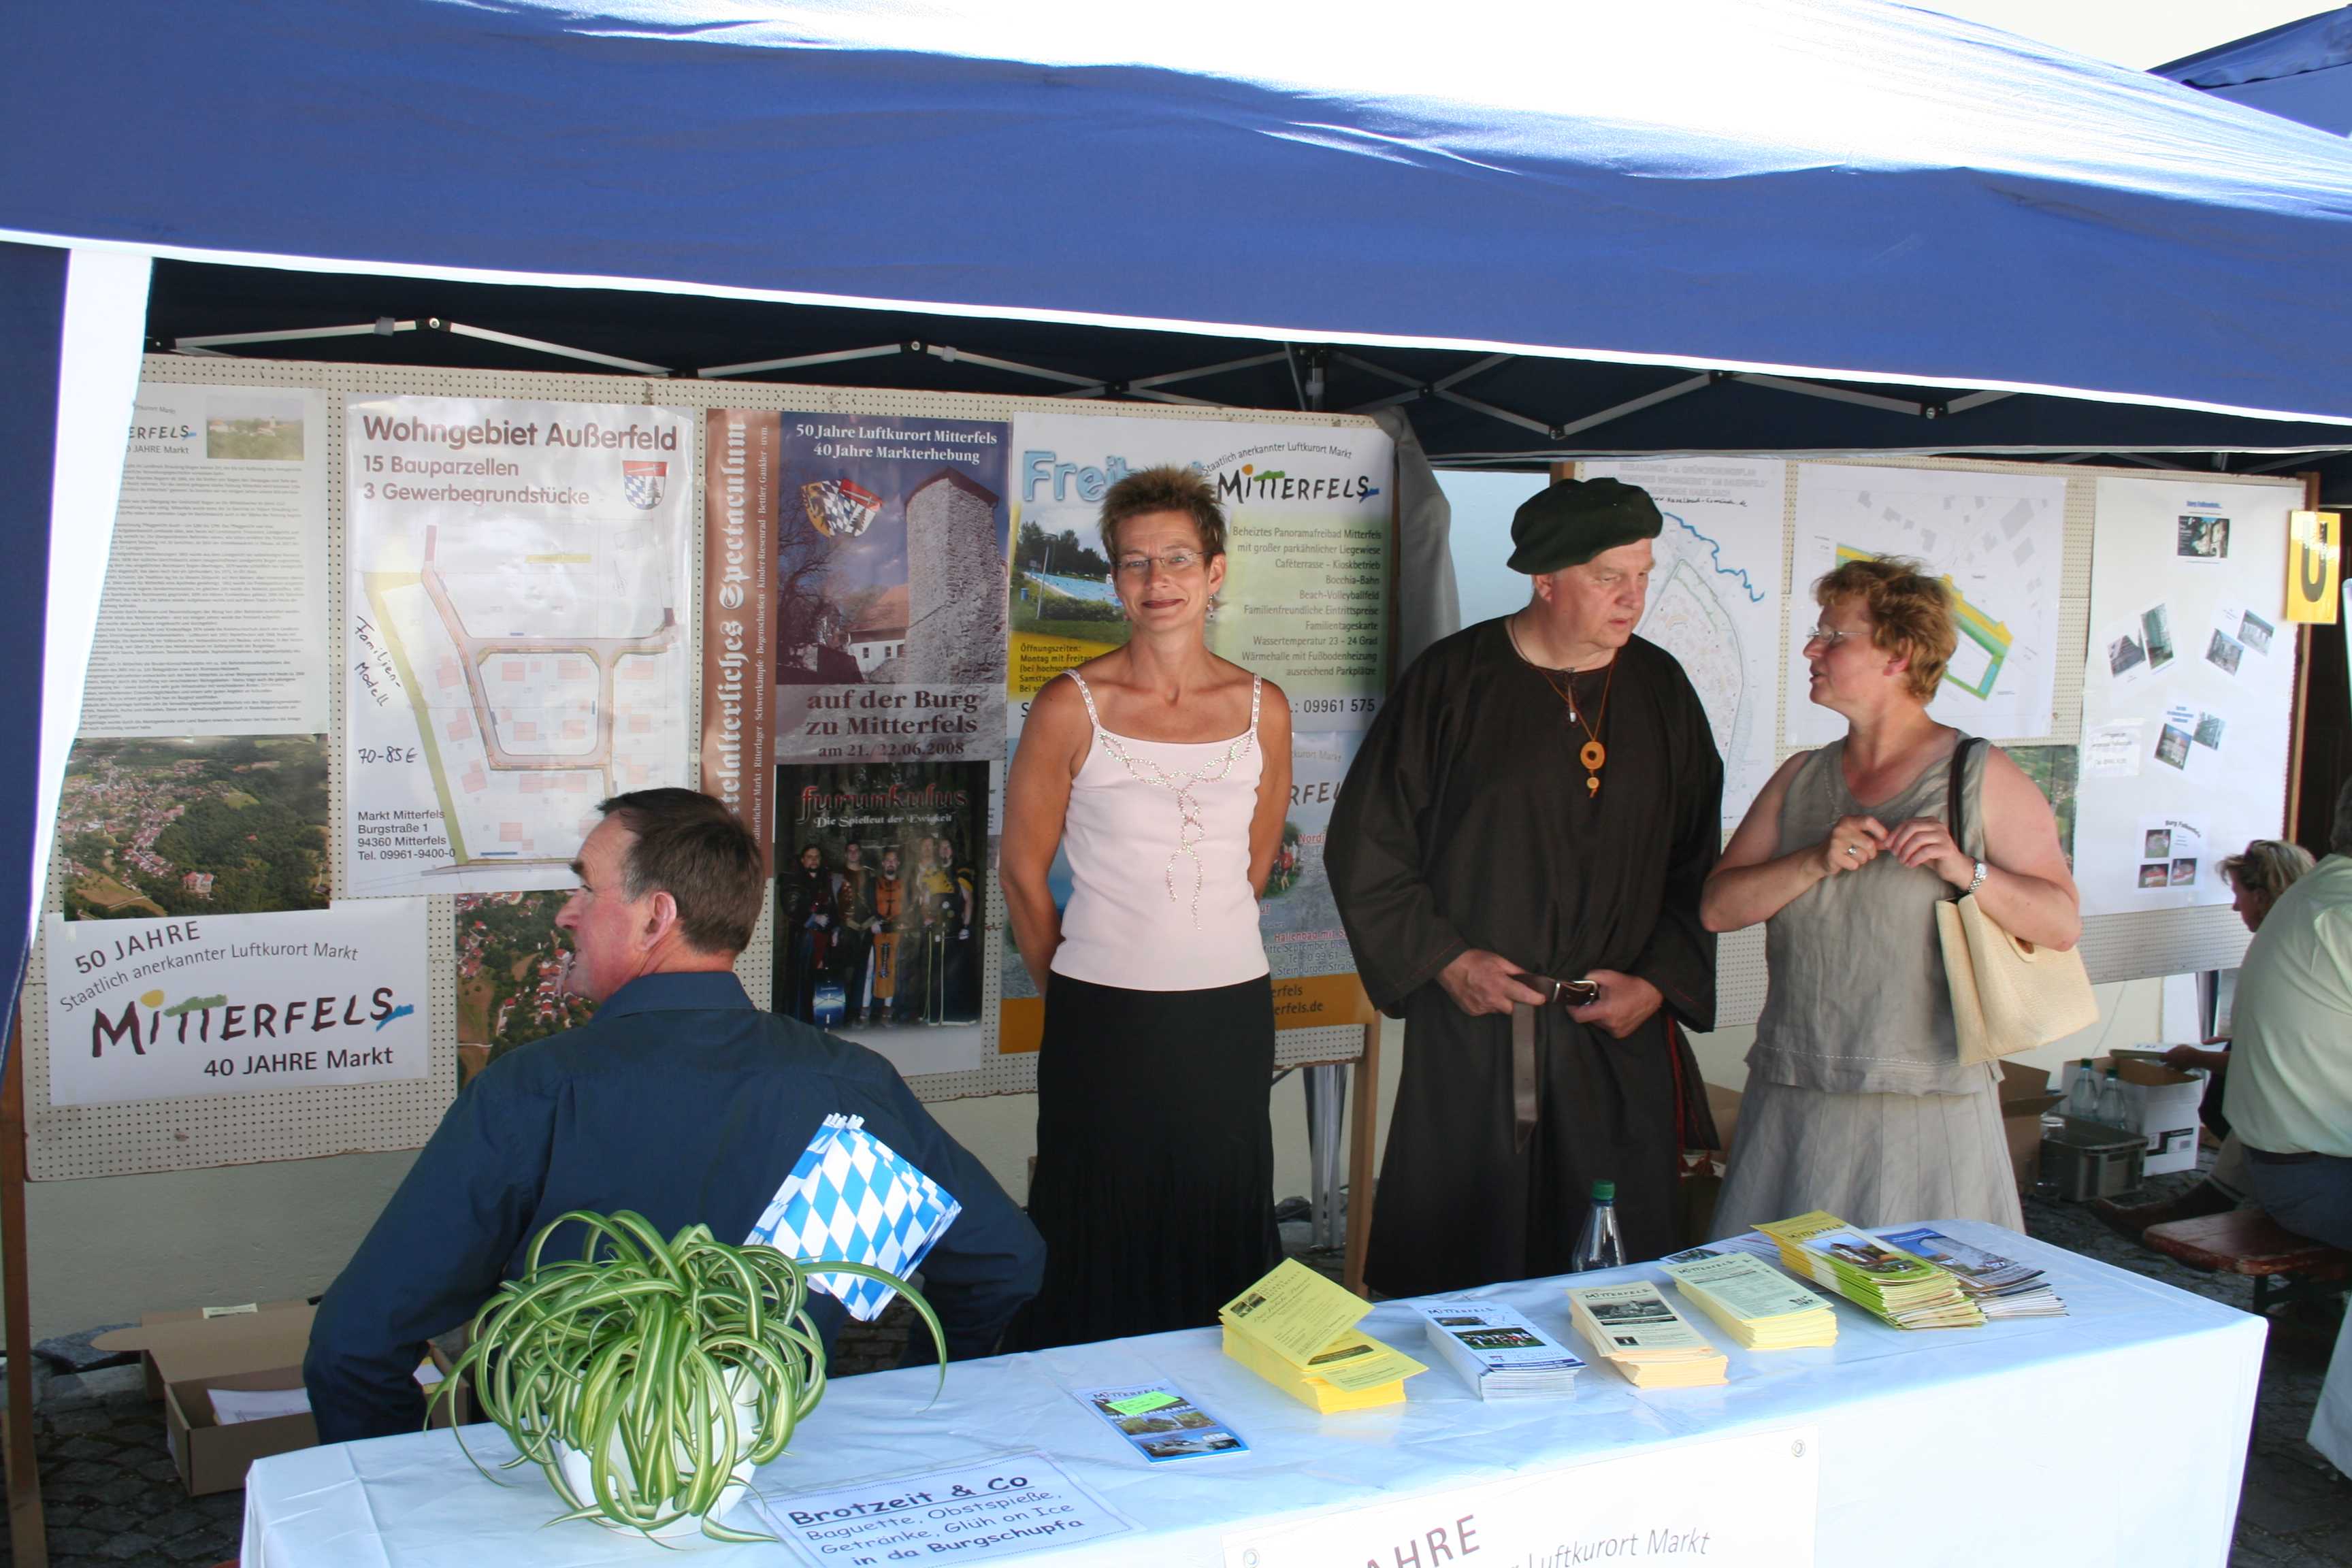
column 1576, row 520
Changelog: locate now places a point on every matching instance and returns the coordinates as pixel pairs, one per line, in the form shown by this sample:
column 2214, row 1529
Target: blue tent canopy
column 1694, row 224
column 2300, row 71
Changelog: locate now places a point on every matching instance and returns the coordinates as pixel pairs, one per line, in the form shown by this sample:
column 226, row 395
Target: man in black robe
column 1538, row 801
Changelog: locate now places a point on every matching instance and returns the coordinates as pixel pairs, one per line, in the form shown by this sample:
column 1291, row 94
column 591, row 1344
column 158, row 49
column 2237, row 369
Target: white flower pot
column 572, row 1478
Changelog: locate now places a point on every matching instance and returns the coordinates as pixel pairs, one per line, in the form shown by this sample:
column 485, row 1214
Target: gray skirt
column 1869, row 1159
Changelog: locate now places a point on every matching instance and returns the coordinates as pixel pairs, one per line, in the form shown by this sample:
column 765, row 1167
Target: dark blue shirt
column 680, row 1101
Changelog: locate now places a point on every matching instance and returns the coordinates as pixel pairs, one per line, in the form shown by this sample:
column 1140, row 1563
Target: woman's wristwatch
column 1978, row 880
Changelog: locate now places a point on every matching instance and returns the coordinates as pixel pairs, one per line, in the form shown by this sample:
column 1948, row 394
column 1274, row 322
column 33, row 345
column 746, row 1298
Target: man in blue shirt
column 680, row 1101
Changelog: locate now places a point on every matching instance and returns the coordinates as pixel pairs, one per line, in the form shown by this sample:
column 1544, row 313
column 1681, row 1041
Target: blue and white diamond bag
column 852, row 1198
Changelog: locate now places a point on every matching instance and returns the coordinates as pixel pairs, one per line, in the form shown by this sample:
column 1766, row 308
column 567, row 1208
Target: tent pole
column 27, row 1533
column 2301, row 713
column 1363, row 1129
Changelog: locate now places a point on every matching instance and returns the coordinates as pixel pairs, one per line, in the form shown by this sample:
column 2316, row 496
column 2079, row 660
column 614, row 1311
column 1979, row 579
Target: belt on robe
column 1527, row 1087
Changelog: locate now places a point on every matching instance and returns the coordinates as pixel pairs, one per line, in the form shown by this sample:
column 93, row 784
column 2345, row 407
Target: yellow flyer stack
column 1297, row 1331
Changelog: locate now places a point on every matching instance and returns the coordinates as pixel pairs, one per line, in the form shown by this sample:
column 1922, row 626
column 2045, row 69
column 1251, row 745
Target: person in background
column 1538, row 801
column 959, row 1000
column 852, row 940
column 1856, row 1100
column 679, row 1101
column 2268, row 867
column 2289, row 1099
column 1164, row 772
column 805, row 898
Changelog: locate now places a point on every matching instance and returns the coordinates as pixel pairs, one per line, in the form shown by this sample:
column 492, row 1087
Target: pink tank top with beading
column 1158, row 840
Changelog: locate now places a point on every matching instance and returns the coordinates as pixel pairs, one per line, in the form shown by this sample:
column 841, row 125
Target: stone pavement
column 113, row 1500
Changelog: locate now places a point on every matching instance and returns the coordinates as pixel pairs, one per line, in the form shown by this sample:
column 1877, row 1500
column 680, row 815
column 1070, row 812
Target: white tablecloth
column 1952, row 1447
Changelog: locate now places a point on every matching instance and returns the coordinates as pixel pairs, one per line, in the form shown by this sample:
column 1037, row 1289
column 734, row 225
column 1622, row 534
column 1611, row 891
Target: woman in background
column 1856, row 1100
column 1163, row 771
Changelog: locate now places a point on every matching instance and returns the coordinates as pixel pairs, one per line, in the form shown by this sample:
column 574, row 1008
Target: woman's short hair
column 2268, row 866
column 1169, row 488
column 1910, row 612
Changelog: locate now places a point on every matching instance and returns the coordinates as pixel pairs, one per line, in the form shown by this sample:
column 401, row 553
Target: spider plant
column 648, row 1377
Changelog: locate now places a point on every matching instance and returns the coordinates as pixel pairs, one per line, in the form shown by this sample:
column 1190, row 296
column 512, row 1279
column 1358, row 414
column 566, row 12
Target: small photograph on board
column 2256, row 633
column 198, row 824
column 2125, row 653
column 251, row 425
column 2172, row 746
column 2200, row 536
column 2224, row 652
column 515, row 982
column 880, row 893
column 2155, row 844
column 2156, row 876
column 2184, row 873
column 2156, row 627
column 2208, row 730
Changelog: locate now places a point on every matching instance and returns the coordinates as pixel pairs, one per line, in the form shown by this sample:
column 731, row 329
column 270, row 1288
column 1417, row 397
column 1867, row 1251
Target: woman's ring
column 1852, row 850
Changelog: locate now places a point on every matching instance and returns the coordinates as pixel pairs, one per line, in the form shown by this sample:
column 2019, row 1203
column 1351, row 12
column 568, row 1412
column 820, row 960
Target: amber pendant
column 1594, row 754
column 1592, row 786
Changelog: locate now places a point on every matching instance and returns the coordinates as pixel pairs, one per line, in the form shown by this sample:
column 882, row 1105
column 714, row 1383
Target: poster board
column 469, row 940
column 2176, row 936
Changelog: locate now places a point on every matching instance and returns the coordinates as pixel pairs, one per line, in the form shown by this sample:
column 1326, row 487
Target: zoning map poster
column 1715, row 598
column 890, row 586
column 1997, row 539
column 2187, row 690
column 227, row 1004
column 213, row 616
column 516, row 643
column 1307, row 512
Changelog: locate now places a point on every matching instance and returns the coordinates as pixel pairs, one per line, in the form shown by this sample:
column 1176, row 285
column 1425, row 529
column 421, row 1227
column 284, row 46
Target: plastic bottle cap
column 1604, row 1192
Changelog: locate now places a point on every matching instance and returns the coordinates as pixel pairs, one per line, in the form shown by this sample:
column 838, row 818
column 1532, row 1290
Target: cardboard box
column 2164, row 1104
column 2025, row 1096
column 190, row 1354
column 260, row 1346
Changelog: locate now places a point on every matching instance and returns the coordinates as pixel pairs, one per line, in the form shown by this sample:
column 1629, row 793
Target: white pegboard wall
column 161, row 1135
column 2115, row 947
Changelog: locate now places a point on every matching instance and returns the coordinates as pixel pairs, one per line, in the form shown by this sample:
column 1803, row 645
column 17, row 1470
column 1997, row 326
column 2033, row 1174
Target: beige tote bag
column 2007, row 995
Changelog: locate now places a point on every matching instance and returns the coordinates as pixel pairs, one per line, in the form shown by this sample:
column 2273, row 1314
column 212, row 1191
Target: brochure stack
column 1639, row 1332
column 1496, row 1352
column 2001, row 1287
column 1894, row 1285
column 1760, row 1307
column 1297, row 1331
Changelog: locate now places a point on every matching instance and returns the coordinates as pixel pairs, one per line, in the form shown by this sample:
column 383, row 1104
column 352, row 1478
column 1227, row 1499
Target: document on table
column 1296, row 1312
column 1004, row 1507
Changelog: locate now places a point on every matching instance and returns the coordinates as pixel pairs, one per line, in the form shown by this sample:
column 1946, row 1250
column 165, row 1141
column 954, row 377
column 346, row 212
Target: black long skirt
column 1155, row 1159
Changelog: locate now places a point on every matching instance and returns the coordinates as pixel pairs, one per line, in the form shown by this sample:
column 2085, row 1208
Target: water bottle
column 2113, row 1109
column 1601, row 1246
column 2082, row 1096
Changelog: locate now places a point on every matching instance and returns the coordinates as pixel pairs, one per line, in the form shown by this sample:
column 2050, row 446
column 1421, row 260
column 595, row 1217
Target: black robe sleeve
column 1374, row 850
column 1679, row 958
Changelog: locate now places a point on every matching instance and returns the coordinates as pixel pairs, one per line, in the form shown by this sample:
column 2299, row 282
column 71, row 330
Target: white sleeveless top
column 1158, row 839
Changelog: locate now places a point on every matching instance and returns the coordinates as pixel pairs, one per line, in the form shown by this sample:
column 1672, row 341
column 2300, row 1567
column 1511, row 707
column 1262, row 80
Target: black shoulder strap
column 1953, row 795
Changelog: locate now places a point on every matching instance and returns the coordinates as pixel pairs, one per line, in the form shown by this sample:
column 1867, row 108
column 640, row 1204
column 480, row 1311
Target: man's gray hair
column 2339, row 833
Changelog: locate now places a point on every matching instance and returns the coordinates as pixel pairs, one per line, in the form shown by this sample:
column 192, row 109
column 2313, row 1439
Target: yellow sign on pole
column 2315, row 543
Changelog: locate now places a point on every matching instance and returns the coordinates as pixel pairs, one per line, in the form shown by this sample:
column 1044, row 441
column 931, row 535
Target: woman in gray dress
column 1856, row 1100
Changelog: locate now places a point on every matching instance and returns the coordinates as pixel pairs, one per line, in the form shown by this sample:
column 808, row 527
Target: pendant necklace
column 1592, row 753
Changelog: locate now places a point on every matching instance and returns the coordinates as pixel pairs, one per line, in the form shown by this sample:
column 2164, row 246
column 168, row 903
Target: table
column 2115, row 1435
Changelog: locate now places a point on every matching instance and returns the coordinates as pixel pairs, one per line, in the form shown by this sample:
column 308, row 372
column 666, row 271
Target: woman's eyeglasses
column 1173, row 563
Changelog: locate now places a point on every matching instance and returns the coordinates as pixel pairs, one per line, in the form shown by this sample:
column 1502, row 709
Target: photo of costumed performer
column 1857, row 1101
column 1539, row 801
column 1163, row 772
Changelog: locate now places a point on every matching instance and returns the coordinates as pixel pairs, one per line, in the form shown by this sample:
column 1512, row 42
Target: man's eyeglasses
column 1173, row 563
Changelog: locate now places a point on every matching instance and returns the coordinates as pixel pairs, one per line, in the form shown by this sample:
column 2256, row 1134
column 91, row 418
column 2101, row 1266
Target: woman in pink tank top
column 1162, row 773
